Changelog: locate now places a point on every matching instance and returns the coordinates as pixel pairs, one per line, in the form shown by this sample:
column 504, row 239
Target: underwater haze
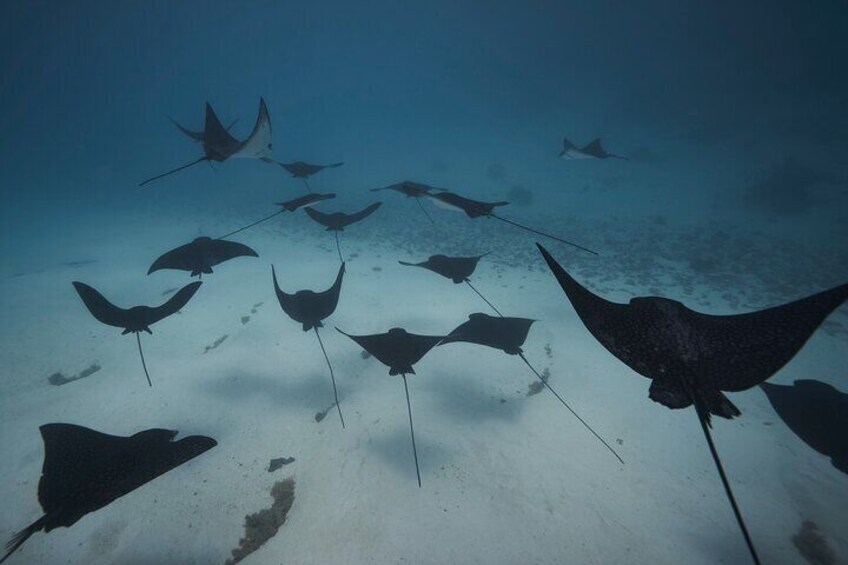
column 719, row 180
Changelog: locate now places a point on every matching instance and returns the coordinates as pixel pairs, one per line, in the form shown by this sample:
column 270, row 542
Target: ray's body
column 592, row 150
column 85, row 470
column 693, row 358
column 338, row 221
column 399, row 350
column 414, row 190
column 311, row 309
column 136, row 319
column 477, row 209
column 219, row 145
column 199, row 256
column 508, row 334
column 303, row 170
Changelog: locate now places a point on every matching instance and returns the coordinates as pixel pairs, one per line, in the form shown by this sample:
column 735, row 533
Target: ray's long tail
column 703, row 419
column 172, row 171
column 544, row 234
column 411, row 429
column 20, row 537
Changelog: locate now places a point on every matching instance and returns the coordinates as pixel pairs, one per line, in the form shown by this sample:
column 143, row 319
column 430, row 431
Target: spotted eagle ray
column 292, row 205
column 136, row 319
column 592, row 150
column 457, row 269
column 85, row 470
column 310, row 309
column 509, row 334
column 414, row 190
column 302, row 170
column 338, row 221
column 219, row 145
column 399, row 350
column 476, row 209
column 817, row 413
column 200, row 255
column 692, row 358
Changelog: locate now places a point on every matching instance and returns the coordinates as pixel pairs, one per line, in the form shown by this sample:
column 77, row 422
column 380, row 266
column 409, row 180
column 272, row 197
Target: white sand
column 506, row 478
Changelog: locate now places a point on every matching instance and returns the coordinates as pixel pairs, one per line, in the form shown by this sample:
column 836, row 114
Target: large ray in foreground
column 85, row 470
column 693, row 358
column 219, row 145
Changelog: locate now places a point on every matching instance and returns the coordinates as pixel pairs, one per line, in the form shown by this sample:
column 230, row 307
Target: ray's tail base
column 703, row 412
column 20, row 537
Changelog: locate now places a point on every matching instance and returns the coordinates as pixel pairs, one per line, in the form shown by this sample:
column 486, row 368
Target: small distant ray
column 817, row 413
column 289, row 206
column 476, row 208
column 692, row 358
column 137, row 318
column 306, row 200
column 311, row 309
column 302, row 170
column 592, row 150
column 85, row 470
column 399, row 351
column 457, row 269
column 199, row 256
column 414, row 190
column 509, row 335
column 338, row 221
column 219, row 145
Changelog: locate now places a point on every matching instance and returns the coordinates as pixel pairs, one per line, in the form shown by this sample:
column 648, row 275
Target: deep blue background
column 708, row 97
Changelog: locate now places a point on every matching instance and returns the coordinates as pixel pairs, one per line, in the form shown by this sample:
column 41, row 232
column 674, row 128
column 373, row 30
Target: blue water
column 734, row 117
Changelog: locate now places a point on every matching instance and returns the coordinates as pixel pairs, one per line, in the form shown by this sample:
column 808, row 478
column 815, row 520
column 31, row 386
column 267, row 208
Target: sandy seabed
column 507, row 478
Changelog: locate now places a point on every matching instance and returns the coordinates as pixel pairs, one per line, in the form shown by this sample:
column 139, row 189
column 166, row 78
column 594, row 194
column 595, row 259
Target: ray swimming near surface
column 85, row 470
column 136, row 319
column 219, row 145
column 311, row 308
column 692, row 358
